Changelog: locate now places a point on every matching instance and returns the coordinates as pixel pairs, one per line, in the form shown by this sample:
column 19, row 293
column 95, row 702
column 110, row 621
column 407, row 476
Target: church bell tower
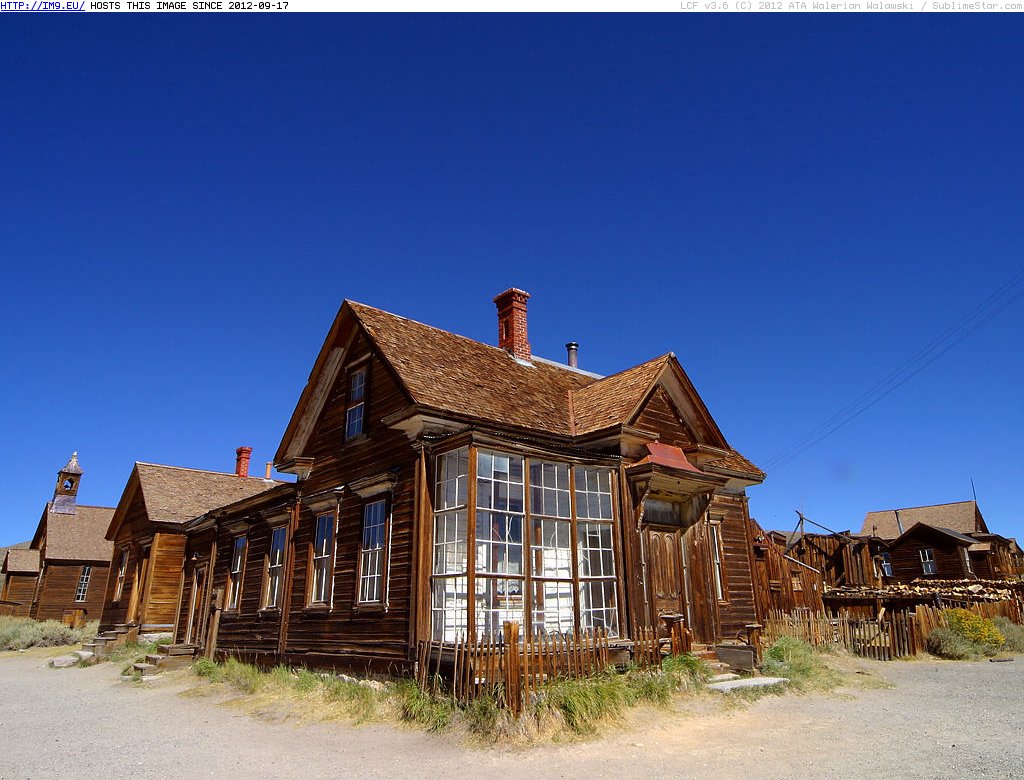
column 66, row 493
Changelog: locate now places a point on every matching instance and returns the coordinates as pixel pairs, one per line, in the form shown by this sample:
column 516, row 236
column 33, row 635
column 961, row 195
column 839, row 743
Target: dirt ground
column 937, row 720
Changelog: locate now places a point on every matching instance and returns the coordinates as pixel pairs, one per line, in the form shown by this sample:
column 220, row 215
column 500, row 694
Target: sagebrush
column 23, row 633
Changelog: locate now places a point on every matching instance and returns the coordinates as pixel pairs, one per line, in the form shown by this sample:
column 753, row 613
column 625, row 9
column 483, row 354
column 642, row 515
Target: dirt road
column 940, row 720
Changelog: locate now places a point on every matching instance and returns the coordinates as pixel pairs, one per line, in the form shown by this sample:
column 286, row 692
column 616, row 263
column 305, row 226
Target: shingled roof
column 174, row 494
column 466, row 379
column 20, row 561
column 610, row 401
column 961, row 516
column 78, row 536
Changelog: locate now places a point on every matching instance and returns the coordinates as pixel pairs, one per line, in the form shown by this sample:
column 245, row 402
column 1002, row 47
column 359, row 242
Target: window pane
column 448, row 603
column 452, row 476
column 598, row 608
column 357, row 385
column 371, row 554
column 499, row 481
column 354, row 421
column 499, row 543
column 551, row 549
column 553, row 607
column 593, row 493
column 549, row 483
column 450, row 542
column 596, row 555
column 497, row 601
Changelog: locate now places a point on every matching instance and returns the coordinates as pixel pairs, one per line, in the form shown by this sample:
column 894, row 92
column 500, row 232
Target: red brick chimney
column 242, row 455
column 512, row 322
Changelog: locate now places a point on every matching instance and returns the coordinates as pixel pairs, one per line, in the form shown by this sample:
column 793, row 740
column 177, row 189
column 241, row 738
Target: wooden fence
column 891, row 635
column 511, row 668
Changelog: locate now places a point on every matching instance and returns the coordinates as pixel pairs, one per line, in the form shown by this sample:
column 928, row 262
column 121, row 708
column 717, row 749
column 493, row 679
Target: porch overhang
column 667, row 471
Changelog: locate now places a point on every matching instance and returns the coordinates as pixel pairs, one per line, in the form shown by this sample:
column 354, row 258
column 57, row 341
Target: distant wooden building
column 990, row 556
column 924, row 551
column 147, row 531
column 73, row 555
column 447, row 486
column 842, row 558
column 21, row 573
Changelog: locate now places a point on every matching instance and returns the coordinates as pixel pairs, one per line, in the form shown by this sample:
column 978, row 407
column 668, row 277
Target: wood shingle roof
column 20, row 561
column 174, row 494
column 78, row 536
column 961, row 516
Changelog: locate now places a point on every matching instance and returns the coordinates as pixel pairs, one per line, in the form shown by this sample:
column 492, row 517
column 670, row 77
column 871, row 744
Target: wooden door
column 666, row 588
column 198, row 607
column 136, row 605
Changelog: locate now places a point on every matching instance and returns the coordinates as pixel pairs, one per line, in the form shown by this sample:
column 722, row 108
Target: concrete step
column 727, row 686
column 188, row 650
column 145, row 669
column 724, row 677
column 64, row 661
column 84, row 655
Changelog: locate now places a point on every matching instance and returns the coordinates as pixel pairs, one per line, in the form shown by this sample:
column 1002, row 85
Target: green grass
column 801, row 664
column 24, row 633
column 135, row 652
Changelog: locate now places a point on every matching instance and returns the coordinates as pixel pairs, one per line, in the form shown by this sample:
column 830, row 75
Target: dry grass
column 565, row 708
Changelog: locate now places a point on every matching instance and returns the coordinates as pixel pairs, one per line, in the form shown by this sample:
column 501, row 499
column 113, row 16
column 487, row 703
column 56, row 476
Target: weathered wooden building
column 21, row 573
column 147, row 530
column 990, row 556
column 447, row 486
column 842, row 558
column 73, row 555
column 928, row 551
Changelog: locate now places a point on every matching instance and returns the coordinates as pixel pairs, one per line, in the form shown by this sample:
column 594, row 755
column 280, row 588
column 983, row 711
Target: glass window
column 716, row 561
column 371, row 552
column 275, row 566
column 886, row 561
column 237, row 565
column 571, row 557
column 928, row 561
column 356, row 403
column 323, row 547
column 83, row 583
column 122, row 568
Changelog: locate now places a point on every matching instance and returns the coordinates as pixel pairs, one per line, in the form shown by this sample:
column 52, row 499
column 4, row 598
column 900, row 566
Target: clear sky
column 793, row 205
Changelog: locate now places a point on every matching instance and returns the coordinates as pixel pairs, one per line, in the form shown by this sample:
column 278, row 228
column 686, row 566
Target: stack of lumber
column 954, row 590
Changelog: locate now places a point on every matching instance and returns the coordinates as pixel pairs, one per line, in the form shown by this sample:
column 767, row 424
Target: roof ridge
column 921, row 506
column 95, row 506
column 661, row 358
column 201, row 471
column 546, row 361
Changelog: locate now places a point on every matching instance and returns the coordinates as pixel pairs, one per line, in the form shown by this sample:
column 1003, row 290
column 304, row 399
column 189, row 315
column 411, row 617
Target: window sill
column 372, row 608
column 263, row 612
column 357, row 439
column 317, row 609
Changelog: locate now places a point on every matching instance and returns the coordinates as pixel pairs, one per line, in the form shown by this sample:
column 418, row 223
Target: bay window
column 548, row 563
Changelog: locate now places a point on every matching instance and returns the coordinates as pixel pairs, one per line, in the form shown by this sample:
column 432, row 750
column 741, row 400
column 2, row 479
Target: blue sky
column 793, row 205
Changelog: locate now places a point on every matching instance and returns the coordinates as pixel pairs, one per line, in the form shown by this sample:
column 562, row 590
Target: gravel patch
column 939, row 720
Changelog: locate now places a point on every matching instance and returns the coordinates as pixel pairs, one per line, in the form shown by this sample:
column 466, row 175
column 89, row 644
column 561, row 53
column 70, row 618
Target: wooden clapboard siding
column 58, row 585
column 659, row 415
column 133, row 529
column 20, row 588
column 906, row 560
column 738, row 607
column 160, row 607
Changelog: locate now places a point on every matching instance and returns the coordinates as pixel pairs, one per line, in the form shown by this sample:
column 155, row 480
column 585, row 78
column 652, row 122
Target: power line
column 995, row 303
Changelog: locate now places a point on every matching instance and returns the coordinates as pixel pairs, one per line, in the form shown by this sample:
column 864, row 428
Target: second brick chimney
column 512, row 322
column 242, row 455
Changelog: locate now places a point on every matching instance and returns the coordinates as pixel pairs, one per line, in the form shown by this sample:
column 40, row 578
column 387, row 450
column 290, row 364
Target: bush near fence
column 898, row 634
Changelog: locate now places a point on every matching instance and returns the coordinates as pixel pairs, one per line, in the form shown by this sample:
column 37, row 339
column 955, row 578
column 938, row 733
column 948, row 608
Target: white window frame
column 239, row 552
column 928, row 565
column 355, row 403
column 122, row 570
column 885, row 564
column 275, row 568
column 321, row 591
column 82, row 591
column 373, row 552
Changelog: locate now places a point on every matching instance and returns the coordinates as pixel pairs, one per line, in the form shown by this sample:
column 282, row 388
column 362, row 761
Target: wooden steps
column 167, row 657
